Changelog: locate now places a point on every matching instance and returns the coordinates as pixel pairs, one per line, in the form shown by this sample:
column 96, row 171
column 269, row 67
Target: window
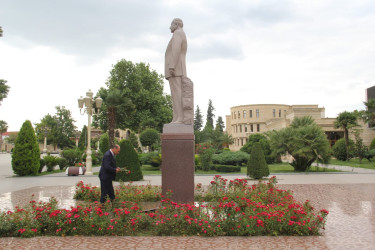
column 284, row 112
column 257, row 113
column 241, row 142
column 245, row 128
column 258, row 127
column 244, row 114
column 234, row 113
column 239, row 115
column 274, row 112
column 251, row 128
column 250, row 113
column 279, row 112
column 240, row 128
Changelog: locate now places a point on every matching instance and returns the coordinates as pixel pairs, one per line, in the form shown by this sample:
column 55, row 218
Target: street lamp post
column 88, row 101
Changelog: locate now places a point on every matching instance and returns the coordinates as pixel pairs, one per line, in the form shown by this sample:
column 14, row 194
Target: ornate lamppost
column 88, row 101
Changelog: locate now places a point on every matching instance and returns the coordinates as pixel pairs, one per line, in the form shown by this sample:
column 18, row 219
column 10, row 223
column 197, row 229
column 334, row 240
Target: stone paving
column 349, row 198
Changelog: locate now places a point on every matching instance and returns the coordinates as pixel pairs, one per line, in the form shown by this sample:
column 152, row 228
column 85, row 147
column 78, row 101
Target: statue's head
column 176, row 23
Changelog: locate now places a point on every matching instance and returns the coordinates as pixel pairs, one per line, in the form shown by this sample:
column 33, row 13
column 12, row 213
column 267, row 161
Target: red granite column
column 178, row 166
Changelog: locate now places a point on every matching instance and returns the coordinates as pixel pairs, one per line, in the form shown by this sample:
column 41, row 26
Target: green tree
column 198, row 119
column 134, row 140
column 128, row 158
column 143, row 88
column 360, row 149
column 346, row 120
column 220, row 124
column 104, row 143
column 264, row 142
column 257, row 167
column 149, row 137
column 1, row 31
column 340, row 151
column 26, row 153
column 368, row 115
column 210, row 115
column 60, row 128
column 3, row 129
column 4, row 90
column 304, row 140
column 82, row 142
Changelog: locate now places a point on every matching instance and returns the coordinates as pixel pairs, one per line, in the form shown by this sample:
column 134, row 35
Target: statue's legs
column 175, row 84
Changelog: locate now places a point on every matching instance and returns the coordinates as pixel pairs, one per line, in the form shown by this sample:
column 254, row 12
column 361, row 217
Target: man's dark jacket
column 108, row 169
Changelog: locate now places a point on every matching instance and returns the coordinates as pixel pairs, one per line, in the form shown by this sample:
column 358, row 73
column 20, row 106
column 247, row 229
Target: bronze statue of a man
column 175, row 67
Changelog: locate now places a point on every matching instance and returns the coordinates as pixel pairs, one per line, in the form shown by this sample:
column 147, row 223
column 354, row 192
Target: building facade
column 245, row 120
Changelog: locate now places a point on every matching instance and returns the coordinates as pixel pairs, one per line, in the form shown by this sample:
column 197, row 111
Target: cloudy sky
column 239, row 52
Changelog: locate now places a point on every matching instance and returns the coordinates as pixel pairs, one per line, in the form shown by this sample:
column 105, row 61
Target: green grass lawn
column 274, row 168
column 354, row 163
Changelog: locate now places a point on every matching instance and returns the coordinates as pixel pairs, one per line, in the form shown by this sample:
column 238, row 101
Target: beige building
column 245, row 120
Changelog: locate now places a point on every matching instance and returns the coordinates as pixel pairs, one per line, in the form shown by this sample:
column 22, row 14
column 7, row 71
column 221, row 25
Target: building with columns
column 245, row 120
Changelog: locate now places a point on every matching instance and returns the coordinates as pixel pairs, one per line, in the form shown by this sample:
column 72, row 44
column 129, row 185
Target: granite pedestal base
column 178, row 166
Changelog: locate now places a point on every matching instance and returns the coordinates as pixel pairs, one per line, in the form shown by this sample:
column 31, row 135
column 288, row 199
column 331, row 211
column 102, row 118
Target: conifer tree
column 198, row 119
column 104, row 143
column 220, row 124
column 26, row 153
column 210, row 115
column 82, row 142
column 128, row 158
column 257, row 167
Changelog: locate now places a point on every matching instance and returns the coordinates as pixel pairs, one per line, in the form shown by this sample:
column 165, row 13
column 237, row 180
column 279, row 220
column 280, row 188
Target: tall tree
column 60, row 128
column 1, row 31
column 82, row 142
column 220, row 124
column 4, row 90
column 368, row 115
column 3, row 129
column 346, row 120
column 143, row 88
column 198, row 119
column 210, row 115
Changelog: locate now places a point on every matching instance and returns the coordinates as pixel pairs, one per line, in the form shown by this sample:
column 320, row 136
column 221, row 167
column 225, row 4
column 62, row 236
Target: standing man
column 107, row 173
column 175, row 67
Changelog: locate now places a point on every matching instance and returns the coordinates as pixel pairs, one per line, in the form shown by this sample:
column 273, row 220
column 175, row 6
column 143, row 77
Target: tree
column 104, row 145
column 134, row 140
column 1, row 31
column 3, row 128
column 346, row 120
column 4, row 90
column 220, row 124
column 368, row 115
column 210, row 115
column 26, row 153
column 82, row 142
column 264, row 142
column 143, row 89
column 257, row 167
column 360, row 149
column 128, row 158
column 60, row 128
column 149, row 137
column 304, row 140
column 198, row 119
column 340, row 151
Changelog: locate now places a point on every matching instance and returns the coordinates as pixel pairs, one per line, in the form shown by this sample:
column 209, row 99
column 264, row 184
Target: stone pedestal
column 177, row 143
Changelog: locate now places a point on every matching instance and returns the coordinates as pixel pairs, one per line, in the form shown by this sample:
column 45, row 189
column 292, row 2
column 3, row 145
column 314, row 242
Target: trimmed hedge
column 231, row 158
column 257, row 167
column 128, row 158
column 227, row 168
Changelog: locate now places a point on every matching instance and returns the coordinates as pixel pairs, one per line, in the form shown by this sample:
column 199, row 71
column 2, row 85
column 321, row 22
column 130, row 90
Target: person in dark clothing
column 107, row 173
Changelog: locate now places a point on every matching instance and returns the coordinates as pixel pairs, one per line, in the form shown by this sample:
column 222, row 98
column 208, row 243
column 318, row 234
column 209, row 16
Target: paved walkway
column 348, row 196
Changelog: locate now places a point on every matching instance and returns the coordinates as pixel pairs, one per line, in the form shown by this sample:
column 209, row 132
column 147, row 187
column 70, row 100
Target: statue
column 175, row 72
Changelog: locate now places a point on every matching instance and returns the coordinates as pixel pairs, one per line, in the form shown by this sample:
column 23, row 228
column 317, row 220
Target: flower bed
column 236, row 209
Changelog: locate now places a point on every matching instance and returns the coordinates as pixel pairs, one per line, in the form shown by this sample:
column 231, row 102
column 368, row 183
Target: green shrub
column 146, row 158
column 156, row 160
column 205, row 159
column 72, row 156
column 339, row 150
column 42, row 164
column 104, row 143
column 264, row 142
column 128, row 158
column 196, row 160
column 257, row 167
column 97, row 157
column 227, row 168
column 51, row 162
column 26, row 153
column 372, row 145
column 62, row 162
column 231, row 158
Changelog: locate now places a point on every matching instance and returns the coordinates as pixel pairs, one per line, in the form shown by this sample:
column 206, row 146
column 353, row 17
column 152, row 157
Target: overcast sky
column 239, row 52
